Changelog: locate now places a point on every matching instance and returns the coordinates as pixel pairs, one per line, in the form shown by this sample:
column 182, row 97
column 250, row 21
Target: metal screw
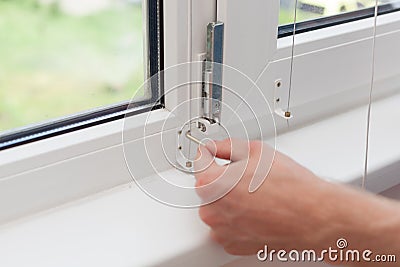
column 288, row 114
column 189, row 164
column 202, row 127
column 278, row 83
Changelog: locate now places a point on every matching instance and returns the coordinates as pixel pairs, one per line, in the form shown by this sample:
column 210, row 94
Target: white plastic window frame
column 252, row 45
column 353, row 38
column 60, row 169
column 319, row 102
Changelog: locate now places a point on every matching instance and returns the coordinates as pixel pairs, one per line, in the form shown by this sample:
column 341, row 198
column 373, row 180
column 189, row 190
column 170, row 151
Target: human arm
column 293, row 208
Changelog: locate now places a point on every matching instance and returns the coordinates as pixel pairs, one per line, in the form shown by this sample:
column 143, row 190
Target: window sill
column 334, row 148
column 123, row 227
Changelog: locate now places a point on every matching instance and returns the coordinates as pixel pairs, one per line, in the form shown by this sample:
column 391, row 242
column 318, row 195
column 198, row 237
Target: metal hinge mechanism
column 206, row 126
column 212, row 73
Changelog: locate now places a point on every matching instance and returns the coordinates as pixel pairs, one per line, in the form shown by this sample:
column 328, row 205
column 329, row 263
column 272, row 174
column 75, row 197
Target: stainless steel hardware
column 193, row 139
column 212, row 72
column 207, row 125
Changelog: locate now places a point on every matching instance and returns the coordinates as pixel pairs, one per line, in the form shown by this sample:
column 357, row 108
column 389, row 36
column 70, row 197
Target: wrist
column 367, row 222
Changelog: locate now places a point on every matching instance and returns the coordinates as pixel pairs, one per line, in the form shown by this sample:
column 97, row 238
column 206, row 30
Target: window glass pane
column 394, row 3
column 61, row 57
column 312, row 9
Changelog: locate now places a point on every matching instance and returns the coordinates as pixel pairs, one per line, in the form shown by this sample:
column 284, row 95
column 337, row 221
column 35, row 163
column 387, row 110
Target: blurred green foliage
column 53, row 64
column 286, row 16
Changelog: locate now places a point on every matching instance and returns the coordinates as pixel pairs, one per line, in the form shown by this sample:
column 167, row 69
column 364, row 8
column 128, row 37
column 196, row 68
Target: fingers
column 206, row 169
column 204, row 160
column 230, row 149
column 212, row 180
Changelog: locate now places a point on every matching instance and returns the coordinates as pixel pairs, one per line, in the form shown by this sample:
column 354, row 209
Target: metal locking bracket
column 212, row 73
column 208, row 123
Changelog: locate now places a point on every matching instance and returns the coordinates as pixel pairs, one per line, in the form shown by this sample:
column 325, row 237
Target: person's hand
column 281, row 213
column 293, row 208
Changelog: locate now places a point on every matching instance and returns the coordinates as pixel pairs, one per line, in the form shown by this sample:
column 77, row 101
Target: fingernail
column 212, row 147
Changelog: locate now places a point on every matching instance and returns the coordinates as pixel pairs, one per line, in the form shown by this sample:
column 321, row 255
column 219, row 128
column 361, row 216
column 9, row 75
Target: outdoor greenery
column 286, row 16
column 53, row 64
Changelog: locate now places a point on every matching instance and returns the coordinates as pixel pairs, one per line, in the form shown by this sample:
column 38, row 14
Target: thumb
column 204, row 159
column 230, row 149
